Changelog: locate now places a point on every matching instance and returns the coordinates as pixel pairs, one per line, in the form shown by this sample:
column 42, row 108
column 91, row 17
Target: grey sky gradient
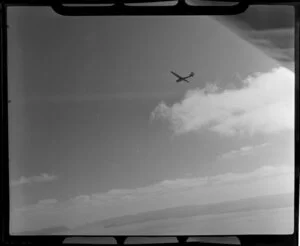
column 82, row 91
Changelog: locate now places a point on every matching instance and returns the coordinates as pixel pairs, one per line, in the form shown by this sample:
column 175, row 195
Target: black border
column 181, row 8
column 251, row 239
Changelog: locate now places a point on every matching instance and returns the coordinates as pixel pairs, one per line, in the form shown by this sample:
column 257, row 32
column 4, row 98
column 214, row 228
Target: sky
column 99, row 127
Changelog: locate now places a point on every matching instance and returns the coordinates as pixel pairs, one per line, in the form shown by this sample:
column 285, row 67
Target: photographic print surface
column 150, row 125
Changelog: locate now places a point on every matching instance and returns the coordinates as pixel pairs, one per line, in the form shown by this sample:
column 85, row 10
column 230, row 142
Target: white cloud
column 245, row 150
column 265, row 104
column 211, row 88
column 44, row 177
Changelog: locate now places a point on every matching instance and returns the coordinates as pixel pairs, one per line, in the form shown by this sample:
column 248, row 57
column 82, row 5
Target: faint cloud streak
column 165, row 188
column 245, row 150
column 44, row 177
column 267, row 180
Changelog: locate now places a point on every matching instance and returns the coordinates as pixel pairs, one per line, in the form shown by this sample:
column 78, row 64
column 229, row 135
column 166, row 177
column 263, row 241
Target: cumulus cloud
column 44, row 177
column 264, row 104
column 242, row 151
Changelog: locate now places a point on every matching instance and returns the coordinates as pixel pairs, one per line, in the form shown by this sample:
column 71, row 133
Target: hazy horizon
column 159, row 222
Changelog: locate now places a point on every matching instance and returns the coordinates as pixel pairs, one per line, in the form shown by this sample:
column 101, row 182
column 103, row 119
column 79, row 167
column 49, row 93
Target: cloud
column 265, row 104
column 183, row 191
column 44, row 177
column 82, row 209
column 167, row 187
column 82, row 199
column 40, row 205
column 263, row 172
column 245, row 150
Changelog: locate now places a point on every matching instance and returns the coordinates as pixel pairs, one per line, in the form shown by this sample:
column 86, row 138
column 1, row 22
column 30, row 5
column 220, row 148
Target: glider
column 180, row 78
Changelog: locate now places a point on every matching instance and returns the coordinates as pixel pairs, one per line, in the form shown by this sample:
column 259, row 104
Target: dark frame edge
column 297, row 135
column 4, row 174
column 181, row 8
column 6, row 238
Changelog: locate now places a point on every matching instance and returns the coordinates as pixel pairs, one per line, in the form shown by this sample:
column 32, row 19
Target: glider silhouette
column 181, row 79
